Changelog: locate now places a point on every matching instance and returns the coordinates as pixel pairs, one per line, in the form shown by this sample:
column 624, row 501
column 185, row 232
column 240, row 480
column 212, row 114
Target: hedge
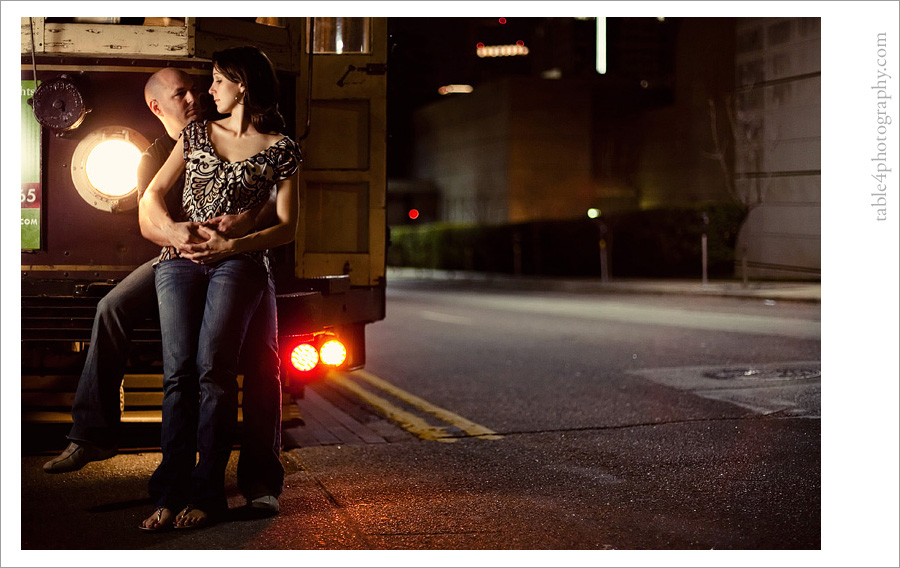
column 650, row 243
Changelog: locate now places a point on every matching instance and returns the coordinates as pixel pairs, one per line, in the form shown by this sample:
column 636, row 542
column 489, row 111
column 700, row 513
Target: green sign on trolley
column 31, row 172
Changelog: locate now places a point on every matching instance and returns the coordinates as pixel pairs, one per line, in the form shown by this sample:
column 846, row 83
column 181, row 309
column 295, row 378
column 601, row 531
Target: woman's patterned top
column 216, row 187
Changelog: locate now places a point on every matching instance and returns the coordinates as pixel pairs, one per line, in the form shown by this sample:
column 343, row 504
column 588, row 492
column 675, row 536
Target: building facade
column 778, row 133
column 692, row 111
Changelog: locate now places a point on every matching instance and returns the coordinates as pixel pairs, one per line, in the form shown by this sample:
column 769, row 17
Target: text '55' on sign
column 31, row 171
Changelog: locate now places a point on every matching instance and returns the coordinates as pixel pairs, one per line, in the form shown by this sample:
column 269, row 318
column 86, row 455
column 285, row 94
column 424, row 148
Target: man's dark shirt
column 151, row 161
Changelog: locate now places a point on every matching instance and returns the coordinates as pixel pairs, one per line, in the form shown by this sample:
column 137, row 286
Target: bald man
column 171, row 96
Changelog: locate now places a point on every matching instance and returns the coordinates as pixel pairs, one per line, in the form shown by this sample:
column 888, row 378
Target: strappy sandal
column 159, row 526
column 201, row 521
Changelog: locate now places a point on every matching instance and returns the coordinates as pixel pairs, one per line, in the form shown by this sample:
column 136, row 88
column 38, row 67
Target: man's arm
column 148, row 168
column 153, row 216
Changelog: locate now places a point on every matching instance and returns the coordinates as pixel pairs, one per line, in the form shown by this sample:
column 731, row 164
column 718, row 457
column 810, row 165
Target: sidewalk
column 767, row 290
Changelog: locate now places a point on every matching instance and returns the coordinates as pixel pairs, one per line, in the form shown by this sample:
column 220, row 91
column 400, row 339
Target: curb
column 769, row 290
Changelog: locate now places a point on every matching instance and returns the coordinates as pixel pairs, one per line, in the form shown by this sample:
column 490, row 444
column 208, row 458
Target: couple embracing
column 213, row 289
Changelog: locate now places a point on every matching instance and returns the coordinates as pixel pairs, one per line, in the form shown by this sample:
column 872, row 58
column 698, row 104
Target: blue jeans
column 204, row 312
column 95, row 411
column 259, row 470
column 96, row 415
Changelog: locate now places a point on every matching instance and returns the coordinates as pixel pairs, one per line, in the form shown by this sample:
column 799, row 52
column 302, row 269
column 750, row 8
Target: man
column 170, row 95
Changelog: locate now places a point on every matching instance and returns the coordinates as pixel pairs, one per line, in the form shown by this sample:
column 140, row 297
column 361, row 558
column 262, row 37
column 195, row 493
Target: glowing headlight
column 112, row 167
column 104, row 167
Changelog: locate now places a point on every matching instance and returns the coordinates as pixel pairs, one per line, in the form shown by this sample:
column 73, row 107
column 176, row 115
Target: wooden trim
column 190, row 25
column 109, row 40
column 50, row 67
column 281, row 45
column 199, row 37
column 38, row 27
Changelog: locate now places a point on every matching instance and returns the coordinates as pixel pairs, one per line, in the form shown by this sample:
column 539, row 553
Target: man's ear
column 154, row 107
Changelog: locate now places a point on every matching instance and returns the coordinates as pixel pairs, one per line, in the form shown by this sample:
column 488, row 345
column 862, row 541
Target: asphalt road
column 518, row 421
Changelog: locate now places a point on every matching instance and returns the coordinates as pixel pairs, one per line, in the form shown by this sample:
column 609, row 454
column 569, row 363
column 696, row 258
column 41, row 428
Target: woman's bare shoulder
column 273, row 138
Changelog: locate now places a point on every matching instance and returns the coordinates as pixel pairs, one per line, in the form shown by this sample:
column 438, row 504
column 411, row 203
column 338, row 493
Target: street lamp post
column 602, row 230
column 604, row 254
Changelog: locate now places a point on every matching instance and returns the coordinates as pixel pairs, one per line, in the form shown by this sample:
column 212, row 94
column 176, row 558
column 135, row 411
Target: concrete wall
column 514, row 150
column 678, row 162
column 462, row 148
column 778, row 134
column 550, row 150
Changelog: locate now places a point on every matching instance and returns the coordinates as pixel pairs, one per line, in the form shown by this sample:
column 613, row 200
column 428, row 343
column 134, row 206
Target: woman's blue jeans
column 204, row 311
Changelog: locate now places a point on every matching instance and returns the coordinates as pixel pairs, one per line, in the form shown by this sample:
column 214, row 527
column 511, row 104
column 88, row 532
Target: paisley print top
column 214, row 187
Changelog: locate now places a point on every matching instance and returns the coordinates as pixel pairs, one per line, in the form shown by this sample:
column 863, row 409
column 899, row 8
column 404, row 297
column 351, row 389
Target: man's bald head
column 169, row 95
column 160, row 80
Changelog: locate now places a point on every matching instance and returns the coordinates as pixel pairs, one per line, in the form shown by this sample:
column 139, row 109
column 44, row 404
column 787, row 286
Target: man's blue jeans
column 95, row 411
column 204, row 312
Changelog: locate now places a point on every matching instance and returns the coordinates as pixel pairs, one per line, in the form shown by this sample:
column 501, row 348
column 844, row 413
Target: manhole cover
column 765, row 374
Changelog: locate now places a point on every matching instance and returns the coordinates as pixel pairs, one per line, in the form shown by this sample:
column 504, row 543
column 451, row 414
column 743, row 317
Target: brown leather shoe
column 76, row 456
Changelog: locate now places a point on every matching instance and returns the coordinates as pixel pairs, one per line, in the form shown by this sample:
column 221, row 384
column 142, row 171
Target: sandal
column 201, row 522
column 160, row 527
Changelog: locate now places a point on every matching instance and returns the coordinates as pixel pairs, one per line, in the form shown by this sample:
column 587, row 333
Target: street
column 521, row 420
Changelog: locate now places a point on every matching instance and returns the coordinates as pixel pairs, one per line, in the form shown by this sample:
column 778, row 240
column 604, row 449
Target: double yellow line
column 407, row 420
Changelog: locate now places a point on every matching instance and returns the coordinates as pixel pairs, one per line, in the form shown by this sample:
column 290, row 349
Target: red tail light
column 304, row 357
column 320, row 351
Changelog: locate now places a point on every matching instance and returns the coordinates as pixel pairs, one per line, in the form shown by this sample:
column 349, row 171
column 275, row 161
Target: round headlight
column 104, row 167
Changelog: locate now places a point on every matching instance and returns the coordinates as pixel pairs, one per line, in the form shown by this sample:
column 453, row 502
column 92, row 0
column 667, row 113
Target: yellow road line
column 467, row 426
column 408, row 421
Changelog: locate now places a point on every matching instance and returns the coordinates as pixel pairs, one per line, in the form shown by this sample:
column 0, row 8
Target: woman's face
column 225, row 93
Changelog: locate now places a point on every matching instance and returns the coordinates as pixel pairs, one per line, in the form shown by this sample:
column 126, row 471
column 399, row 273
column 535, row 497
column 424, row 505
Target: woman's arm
column 283, row 231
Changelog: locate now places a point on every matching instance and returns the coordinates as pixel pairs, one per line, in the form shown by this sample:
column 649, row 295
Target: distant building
column 690, row 111
column 517, row 149
column 778, row 159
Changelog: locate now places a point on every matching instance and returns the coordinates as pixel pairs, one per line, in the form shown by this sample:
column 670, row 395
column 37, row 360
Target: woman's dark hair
column 250, row 66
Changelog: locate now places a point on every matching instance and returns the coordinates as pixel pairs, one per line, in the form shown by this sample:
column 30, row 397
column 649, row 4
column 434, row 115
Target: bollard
column 705, row 219
column 703, row 255
column 604, row 253
column 744, row 267
column 595, row 214
column 517, row 253
column 604, row 262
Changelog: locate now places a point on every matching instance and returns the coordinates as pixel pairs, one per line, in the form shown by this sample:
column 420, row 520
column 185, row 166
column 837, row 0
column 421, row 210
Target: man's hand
column 185, row 234
column 242, row 224
column 215, row 246
column 232, row 226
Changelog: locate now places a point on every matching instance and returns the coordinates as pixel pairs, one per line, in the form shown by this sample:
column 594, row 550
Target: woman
column 208, row 286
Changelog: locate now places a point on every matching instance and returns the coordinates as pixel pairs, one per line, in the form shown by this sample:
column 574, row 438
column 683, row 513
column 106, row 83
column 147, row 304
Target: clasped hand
column 204, row 242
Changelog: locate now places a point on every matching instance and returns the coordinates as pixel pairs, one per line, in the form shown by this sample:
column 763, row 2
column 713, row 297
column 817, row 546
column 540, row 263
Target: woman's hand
column 244, row 223
column 214, row 247
column 230, row 226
